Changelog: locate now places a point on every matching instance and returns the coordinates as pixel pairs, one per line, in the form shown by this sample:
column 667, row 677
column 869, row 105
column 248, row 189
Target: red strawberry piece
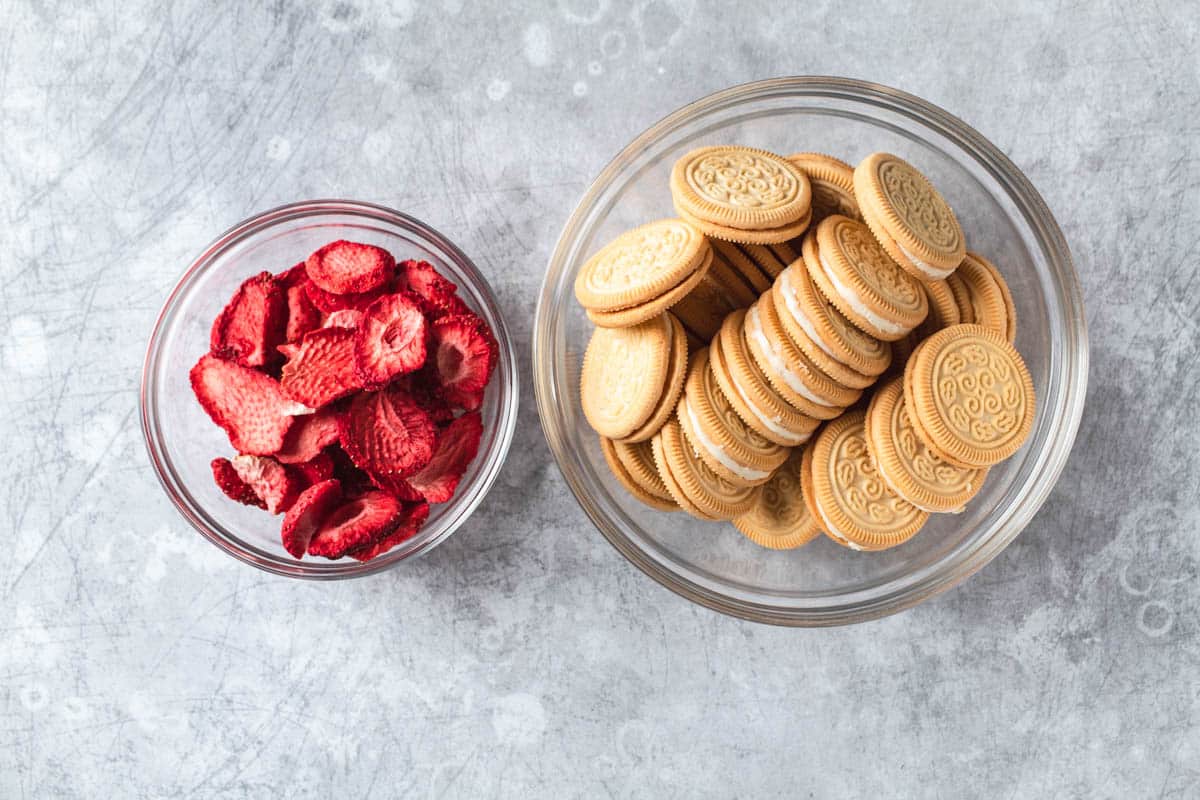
column 390, row 341
column 232, row 485
column 306, row 515
column 249, row 405
column 292, row 276
column 303, row 316
column 343, row 267
column 465, row 353
column 316, row 469
column 323, row 369
column 424, row 387
column 397, row 487
column 330, row 302
column 252, row 324
column 355, row 523
column 308, row 436
column 457, row 447
column 275, row 484
column 387, row 433
column 439, row 296
column 354, row 480
column 411, row 519
column 343, row 318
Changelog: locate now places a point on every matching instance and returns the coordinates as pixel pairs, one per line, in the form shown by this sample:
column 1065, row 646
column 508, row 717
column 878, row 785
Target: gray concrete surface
column 526, row 658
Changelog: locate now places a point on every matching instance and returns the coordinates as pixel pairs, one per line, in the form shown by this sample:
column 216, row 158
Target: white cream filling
column 834, row 532
column 793, row 307
column 927, row 268
column 771, row 424
column 856, row 303
column 777, row 362
column 716, row 451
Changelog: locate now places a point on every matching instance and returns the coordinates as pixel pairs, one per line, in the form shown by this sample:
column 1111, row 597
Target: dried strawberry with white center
column 322, row 370
column 248, row 329
column 249, row 405
column 355, row 523
column 465, row 353
column 229, row 482
column 390, row 340
column 411, row 520
column 343, row 318
column 275, row 484
column 344, row 267
column 387, row 433
column 457, row 447
column 439, row 296
column 306, row 515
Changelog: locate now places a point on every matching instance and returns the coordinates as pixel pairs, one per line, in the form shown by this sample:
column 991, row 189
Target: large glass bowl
column 182, row 440
column 1003, row 217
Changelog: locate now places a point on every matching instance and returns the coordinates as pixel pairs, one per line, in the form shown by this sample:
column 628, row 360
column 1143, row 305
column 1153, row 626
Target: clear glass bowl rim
column 463, row 504
column 1075, row 350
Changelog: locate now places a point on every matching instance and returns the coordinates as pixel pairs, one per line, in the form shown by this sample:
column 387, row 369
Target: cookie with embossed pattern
column 779, row 519
column 729, row 446
column 696, row 488
column 858, row 277
column 640, row 265
column 969, row 395
column 680, row 346
column 633, row 315
column 832, row 182
column 855, row 506
column 646, row 487
column 623, row 376
column 906, row 464
column 909, row 217
column 740, row 187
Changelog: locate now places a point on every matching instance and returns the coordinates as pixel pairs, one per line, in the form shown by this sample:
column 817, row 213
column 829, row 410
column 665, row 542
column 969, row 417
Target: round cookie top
column 692, row 484
column 631, row 483
column 991, row 305
column 640, row 264
column 672, row 387
column 906, row 464
column 779, row 519
column 623, row 373
column 901, row 205
column 832, row 185
column 864, row 282
column 855, row 507
column 740, row 187
column 970, row 395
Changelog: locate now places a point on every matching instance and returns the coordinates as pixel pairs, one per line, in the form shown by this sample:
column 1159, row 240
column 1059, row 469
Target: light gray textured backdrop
column 525, row 657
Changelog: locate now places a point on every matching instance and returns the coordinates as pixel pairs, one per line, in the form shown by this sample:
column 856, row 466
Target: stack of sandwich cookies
column 910, row 219
column 741, row 194
column 692, row 484
column 858, row 277
column 742, row 264
column 730, row 447
column 780, row 519
column 633, row 467
column 642, row 273
column 832, row 182
column 632, row 378
column 854, row 507
column 702, row 310
column 986, row 294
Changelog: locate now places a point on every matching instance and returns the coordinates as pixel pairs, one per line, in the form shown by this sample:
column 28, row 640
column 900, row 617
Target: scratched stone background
column 525, row 657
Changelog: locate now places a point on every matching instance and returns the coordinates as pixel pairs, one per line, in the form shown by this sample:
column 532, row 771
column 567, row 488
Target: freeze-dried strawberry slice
column 249, row 405
column 252, row 324
column 397, row 487
column 456, row 449
column 387, row 433
column 411, row 520
column 344, row 267
column 303, row 316
column 355, row 523
column 330, row 302
column 390, row 340
column 275, row 484
column 343, row 318
column 465, row 353
column 425, row 388
column 354, row 480
column 306, row 515
column 308, row 436
column 232, row 485
column 439, row 296
column 323, row 369
column 316, row 469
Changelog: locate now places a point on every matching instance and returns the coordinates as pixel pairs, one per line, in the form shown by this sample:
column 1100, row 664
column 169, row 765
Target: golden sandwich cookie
column 779, row 519
column 858, row 277
column 962, row 298
column 640, row 265
column 765, row 259
column 696, row 488
column 719, row 436
column 911, row 220
column 625, row 375
column 746, row 269
column 908, row 467
column 832, row 182
column 704, row 308
column 991, row 303
column 677, row 365
column 969, row 395
column 633, row 315
column 855, row 507
column 636, row 485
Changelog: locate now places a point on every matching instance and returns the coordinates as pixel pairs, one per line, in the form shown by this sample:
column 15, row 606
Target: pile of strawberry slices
column 350, row 386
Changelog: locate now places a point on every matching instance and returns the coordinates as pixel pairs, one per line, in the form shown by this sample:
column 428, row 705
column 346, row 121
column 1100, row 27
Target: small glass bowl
column 1004, row 218
column 182, row 440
